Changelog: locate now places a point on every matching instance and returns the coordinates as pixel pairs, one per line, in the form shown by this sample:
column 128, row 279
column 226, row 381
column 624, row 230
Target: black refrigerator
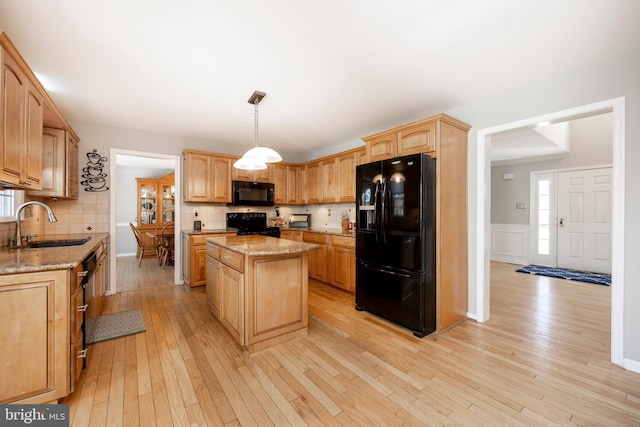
column 395, row 241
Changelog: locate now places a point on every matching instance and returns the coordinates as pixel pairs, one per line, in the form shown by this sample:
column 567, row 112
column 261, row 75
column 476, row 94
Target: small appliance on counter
column 300, row 220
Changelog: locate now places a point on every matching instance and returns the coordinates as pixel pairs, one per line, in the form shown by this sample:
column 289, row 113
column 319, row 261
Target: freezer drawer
column 400, row 296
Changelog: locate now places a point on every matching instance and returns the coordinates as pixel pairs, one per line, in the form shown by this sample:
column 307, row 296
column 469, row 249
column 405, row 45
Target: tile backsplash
column 213, row 216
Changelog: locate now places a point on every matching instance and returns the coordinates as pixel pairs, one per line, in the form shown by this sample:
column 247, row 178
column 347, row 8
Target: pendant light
column 257, row 157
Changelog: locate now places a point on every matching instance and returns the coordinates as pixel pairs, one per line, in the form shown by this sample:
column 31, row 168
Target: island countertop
column 25, row 260
column 256, row 245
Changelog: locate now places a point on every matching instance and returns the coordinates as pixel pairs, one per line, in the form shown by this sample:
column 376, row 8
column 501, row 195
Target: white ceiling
column 333, row 70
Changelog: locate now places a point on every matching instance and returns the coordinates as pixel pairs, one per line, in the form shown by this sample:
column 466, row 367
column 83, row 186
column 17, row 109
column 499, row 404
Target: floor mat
column 565, row 273
column 116, row 325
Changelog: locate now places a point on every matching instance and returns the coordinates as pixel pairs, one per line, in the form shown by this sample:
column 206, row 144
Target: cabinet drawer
column 199, row 239
column 213, row 251
column 232, row 259
column 314, row 238
column 345, row 242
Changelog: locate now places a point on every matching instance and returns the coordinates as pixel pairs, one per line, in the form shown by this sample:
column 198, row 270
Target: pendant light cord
column 255, row 137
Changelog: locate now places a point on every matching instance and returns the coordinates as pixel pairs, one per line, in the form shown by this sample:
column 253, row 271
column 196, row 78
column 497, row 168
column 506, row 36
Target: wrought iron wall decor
column 95, row 178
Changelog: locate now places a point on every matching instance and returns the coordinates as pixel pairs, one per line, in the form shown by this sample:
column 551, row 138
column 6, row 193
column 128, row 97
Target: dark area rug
column 565, row 273
column 116, row 325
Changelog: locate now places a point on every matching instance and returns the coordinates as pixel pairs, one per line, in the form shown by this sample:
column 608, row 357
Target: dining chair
column 139, row 241
column 167, row 239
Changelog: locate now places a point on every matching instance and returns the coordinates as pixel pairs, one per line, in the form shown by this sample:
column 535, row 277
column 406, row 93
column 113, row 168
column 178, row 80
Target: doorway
column 113, row 210
column 483, row 190
column 570, row 224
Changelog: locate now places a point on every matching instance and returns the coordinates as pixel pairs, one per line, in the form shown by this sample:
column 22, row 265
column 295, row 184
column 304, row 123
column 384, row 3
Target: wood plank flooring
column 542, row 360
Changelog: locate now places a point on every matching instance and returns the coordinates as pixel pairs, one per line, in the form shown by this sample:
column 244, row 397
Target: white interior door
column 584, row 220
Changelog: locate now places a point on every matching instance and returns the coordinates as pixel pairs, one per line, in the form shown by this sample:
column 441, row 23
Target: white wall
column 611, row 79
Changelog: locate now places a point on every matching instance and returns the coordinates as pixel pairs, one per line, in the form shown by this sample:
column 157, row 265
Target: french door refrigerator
column 395, row 241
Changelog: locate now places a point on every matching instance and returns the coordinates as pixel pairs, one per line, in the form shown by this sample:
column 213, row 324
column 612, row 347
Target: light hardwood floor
column 542, row 360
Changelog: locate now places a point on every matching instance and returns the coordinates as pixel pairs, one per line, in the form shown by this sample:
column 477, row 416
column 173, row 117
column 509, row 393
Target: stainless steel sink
column 51, row 243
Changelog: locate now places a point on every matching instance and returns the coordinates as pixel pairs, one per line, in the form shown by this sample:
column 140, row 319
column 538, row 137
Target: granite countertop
column 323, row 230
column 210, row 231
column 26, row 260
column 254, row 245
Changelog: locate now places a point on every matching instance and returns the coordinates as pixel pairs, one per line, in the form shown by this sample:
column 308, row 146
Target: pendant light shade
column 257, row 157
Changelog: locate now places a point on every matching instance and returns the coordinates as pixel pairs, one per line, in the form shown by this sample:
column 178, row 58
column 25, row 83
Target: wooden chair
column 139, row 241
column 167, row 240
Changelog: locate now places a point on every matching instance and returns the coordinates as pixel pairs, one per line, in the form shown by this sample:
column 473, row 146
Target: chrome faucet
column 50, row 216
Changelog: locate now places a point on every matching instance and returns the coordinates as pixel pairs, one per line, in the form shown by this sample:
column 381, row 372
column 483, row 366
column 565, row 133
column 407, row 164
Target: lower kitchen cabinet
column 335, row 262
column 194, row 257
column 317, row 258
column 225, row 289
column 342, row 258
column 35, row 337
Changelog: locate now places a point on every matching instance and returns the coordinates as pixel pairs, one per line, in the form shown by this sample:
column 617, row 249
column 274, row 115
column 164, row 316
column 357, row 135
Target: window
column 9, row 201
column 544, row 216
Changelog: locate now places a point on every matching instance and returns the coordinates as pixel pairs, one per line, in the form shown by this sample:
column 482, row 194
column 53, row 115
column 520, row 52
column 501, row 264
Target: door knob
column 561, row 222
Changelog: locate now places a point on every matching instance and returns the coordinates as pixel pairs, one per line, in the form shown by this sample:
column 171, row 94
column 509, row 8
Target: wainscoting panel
column 510, row 243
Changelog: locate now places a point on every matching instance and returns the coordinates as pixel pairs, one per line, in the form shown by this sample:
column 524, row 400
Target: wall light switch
column 521, row 205
column 507, row 176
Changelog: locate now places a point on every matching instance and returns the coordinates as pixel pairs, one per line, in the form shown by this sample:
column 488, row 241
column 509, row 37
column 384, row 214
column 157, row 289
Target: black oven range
column 247, row 223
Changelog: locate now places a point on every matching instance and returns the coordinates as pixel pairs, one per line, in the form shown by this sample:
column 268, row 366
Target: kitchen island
column 257, row 287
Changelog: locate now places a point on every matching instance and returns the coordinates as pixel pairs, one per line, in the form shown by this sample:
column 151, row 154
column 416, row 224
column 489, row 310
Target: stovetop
column 251, row 223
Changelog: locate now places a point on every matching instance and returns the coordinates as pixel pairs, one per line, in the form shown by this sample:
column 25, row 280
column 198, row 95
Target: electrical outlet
column 329, row 212
column 521, row 205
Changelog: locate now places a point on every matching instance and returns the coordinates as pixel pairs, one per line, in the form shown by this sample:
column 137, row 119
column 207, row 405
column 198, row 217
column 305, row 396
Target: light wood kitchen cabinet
column 347, row 177
column 314, row 182
column 318, row 257
column 60, row 164
column 263, row 175
column 330, row 180
column 302, row 185
column 225, row 289
column 101, row 281
column 214, row 279
column 76, row 313
column 342, row 259
column 35, row 337
column 194, row 257
column 291, row 235
column 207, row 177
column 409, row 139
column 280, row 183
column 232, row 302
column 22, row 108
column 292, row 184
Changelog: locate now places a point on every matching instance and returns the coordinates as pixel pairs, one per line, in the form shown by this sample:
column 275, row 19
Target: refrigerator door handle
column 383, row 219
column 391, row 273
column 376, row 217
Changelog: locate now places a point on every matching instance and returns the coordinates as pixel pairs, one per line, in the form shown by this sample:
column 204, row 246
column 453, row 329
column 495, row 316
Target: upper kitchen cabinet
column 416, row 137
column 22, row 116
column 59, row 165
column 347, row 182
column 314, row 182
column 280, row 183
column 264, row 175
column 25, row 107
column 207, row 177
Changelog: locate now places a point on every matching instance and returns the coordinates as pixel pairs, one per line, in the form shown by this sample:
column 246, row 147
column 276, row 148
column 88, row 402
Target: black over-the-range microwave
column 252, row 193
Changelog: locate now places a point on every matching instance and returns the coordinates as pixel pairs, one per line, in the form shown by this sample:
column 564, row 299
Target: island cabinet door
column 231, row 304
column 214, row 279
column 276, row 298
